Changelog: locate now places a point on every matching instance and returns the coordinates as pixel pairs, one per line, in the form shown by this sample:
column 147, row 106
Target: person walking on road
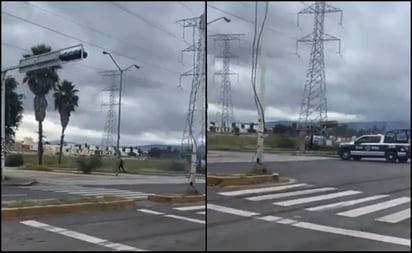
column 121, row 166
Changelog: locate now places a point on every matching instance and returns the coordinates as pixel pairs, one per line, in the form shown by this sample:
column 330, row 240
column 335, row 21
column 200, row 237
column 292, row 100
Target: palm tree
column 14, row 109
column 65, row 102
column 40, row 82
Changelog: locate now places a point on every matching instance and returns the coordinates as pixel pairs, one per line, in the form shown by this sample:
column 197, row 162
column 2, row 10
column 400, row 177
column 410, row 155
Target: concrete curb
column 27, row 183
column 282, row 181
column 17, row 212
column 241, row 179
column 176, row 198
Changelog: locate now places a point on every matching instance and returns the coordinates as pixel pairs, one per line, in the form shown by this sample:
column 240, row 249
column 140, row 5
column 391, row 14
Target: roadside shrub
column 14, row 160
column 177, row 166
column 131, row 153
column 286, row 142
column 89, row 163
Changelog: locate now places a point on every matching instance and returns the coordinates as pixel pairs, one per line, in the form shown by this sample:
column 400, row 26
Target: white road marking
column 344, row 203
column 354, row 233
column 374, row 208
column 269, row 218
column 80, row 236
column 185, row 218
column 326, row 229
column 260, row 190
column 202, row 213
column 229, row 210
column 286, row 221
column 190, row 208
column 149, row 211
column 289, row 194
column 171, row 216
column 316, row 198
column 13, row 195
column 396, row 217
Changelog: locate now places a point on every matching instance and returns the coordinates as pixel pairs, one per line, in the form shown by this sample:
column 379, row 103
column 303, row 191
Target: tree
column 14, row 109
column 65, row 102
column 41, row 82
column 155, row 152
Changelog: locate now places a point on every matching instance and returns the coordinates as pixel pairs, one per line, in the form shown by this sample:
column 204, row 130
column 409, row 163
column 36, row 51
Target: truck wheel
column 403, row 159
column 391, row 156
column 345, row 155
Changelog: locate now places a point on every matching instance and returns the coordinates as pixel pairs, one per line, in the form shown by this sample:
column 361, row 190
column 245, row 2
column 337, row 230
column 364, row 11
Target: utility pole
column 313, row 109
column 120, row 98
column 259, row 98
column 225, row 116
column 190, row 138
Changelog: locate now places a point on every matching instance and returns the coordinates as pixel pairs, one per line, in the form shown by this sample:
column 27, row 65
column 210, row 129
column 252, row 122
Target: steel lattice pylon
column 110, row 77
column 195, row 133
column 313, row 109
column 225, row 116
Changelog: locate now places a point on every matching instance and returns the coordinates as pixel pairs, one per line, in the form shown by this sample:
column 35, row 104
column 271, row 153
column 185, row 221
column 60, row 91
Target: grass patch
column 248, row 142
column 29, row 203
column 108, row 164
column 36, row 167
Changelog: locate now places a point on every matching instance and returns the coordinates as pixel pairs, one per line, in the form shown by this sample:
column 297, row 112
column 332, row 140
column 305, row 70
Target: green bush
column 89, row 163
column 14, row 160
column 131, row 153
column 286, row 142
column 176, row 166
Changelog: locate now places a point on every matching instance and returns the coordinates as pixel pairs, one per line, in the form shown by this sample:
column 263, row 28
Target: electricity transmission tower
column 191, row 135
column 110, row 78
column 225, row 116
column 313, row 109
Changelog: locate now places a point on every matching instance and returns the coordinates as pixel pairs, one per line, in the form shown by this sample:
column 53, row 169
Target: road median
column 20, row 209
column 176, row 198
column 240, row 179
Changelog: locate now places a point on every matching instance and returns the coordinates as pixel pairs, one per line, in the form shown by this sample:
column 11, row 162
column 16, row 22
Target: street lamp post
column 120, row 97
column 214, row 20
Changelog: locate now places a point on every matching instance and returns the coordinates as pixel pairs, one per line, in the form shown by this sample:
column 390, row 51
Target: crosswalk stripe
column 396, row 217
column 260, row 190
column 316, row 198
column 202, row 213
column 92, row 191
column 289, row 194
column 229, row 210
column 374, row 208
column 344, row 203
column 190, row 208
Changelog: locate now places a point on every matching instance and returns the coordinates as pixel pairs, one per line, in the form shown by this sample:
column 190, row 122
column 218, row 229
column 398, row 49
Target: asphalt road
column 150, row 227
column 63, row 185
column 154, row 227
column 279, row 219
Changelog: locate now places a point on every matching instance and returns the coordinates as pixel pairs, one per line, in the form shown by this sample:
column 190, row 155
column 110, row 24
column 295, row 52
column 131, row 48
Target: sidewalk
column 18, row 181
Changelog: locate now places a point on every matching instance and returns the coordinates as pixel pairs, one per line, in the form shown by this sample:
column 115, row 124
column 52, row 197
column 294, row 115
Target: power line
column 273, row 29
column 16, row 47
column 88, row 27
column 157, row 26
column 87, row 42
column 187, row 7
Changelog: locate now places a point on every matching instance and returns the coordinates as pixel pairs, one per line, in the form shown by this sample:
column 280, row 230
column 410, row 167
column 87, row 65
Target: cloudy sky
column 142, row 33
column 370, row 81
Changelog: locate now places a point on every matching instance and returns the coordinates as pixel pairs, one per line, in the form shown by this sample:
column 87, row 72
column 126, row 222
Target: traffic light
column 73, row 55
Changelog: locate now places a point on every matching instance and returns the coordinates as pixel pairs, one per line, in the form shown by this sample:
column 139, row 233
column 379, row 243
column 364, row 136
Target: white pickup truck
column 393, row 146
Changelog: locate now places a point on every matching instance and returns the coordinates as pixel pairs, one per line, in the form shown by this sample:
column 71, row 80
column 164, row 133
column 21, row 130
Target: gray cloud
column 154, row 108
column 370, row 81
